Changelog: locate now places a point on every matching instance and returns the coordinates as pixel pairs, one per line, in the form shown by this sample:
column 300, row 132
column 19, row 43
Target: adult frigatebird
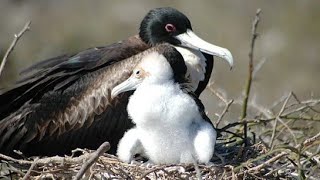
column 171, row 125
column 63, row 103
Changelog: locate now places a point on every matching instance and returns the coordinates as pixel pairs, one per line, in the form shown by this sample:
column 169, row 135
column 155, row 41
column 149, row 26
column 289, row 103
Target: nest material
column 233, row 163
column 108, row 166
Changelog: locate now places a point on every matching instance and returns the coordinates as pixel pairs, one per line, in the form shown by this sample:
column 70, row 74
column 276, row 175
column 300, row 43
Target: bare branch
column 225, row 110
column 311, row 140
column 258, row 67
column 227, row 103
column 26, row 176
column 268, row 162
column 249, row 80
column 102, row 149
column 276, row 120
column 13, row 44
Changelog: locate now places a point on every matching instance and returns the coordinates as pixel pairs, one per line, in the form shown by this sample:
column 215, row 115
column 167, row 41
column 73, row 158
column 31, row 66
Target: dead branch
column 227, row 103
column 8, row 158
column 276, row 120
column 102, row 149
column 258, row 67
column 225, row 110
column 311, row 140
column 13, row 44
column 268, row 162
column 249, row 80
column 26, row 176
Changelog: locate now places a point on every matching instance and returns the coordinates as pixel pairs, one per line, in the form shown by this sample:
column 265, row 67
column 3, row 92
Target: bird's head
column 158, row 65
column 170, row 25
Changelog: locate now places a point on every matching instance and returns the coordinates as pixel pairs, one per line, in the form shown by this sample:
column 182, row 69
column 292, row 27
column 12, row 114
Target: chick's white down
column 169, row 127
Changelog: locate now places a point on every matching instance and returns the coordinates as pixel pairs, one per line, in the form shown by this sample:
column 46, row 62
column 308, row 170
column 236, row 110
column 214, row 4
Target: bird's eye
column 170, row 28
column 137, row 72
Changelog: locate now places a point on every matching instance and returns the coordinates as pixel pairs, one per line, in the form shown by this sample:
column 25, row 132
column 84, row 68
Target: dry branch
column 227, row 103
column 276, row 120
column 102, row 149
column 249, row 80
column 26, row 176
column 13, row 44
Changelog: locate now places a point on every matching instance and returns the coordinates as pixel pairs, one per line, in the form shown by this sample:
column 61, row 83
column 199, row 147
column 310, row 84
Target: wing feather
column 66, row 97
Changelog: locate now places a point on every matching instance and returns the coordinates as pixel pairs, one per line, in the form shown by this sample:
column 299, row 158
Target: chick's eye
column 170, row 28
column 137, row 72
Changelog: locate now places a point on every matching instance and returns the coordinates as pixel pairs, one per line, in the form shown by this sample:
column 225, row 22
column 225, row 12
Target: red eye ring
column 170, row 28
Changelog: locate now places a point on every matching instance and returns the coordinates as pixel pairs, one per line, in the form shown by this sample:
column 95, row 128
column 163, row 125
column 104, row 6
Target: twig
column 297, row 99
column 258, row 67
column 225, row 110
column 268, row 162
column 276, row 120
column 102, row 149
column 301, row 108
column 309, row 141
column 300, row 118
column 154, row 170
column 8, row 158
column 238, row 168
column 13, row 44
column 249, row 80
column 26, row 176
column 288, row 128
column 226, row 102
column 250, row 121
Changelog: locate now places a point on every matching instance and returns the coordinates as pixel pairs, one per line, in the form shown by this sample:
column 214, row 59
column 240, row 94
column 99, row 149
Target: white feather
column 196, row 65
column 168, row 123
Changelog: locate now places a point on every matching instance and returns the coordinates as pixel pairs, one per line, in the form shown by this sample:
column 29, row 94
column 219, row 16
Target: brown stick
column 224, row 100
column 2, row 156
column 225, row 110
column 102, row 149
column 13, row 44
column 26, row 176
column 268, row 162
column 277, row 118
column 249, row 80
column 311, row 140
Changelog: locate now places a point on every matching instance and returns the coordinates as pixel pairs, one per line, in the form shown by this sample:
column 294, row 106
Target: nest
column 108, row 166
column 233, row 160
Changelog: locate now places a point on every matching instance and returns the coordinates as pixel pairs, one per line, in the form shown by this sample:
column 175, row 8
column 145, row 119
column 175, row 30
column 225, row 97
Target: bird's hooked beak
column 130, row 84
column 191, row 40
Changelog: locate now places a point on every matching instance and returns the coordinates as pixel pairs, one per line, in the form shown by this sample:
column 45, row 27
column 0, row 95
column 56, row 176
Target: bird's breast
column 162, row 104
column 196, row 65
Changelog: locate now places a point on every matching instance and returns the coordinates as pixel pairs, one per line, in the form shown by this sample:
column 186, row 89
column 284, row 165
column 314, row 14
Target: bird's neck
column 196, row 65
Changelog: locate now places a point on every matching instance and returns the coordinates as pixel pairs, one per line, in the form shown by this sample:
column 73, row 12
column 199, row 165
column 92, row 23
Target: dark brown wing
column 62, row 71
column 62, row 103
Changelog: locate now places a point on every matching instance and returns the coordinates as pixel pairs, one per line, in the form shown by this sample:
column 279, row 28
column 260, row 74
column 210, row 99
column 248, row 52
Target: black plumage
column 64, row 102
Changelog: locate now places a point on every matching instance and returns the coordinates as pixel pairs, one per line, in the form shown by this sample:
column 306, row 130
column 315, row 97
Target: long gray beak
column 130, row 84
column 191, row 40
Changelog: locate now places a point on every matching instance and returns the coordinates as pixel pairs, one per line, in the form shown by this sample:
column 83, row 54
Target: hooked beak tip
column 112, row 94
column 228, row 57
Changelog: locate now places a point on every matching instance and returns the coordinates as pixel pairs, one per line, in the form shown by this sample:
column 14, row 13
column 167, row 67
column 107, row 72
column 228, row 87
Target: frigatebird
column 64, row 102
column 170, row 123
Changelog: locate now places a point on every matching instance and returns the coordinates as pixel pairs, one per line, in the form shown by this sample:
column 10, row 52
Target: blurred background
column 289, row 39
